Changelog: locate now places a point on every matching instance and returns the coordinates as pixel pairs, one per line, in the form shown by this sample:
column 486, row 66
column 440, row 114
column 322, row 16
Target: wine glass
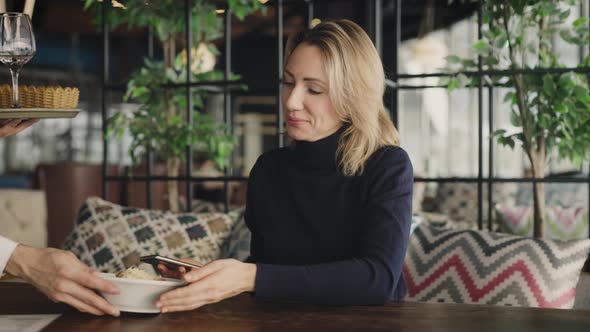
column 17, row 45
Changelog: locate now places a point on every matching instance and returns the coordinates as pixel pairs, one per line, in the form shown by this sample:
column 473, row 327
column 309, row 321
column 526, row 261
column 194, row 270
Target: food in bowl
column 136, row 273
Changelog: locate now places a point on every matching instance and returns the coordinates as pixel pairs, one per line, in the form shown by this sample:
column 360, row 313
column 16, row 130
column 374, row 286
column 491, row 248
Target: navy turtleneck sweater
column 321, row 237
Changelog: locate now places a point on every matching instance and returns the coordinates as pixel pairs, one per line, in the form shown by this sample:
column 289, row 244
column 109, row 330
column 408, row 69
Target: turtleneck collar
column 320, row 154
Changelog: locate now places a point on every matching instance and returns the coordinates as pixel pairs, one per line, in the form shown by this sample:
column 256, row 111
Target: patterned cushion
column 469, row 266
column 237, row 245
column 459, row 200
column 560, row 194
column 110, row 237
column 443, row 220
column 561, row 223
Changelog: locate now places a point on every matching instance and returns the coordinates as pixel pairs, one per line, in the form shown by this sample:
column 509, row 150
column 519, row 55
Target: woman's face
column 306, row 101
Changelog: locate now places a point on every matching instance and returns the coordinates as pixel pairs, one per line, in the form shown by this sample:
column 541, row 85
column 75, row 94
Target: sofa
column 443, row 264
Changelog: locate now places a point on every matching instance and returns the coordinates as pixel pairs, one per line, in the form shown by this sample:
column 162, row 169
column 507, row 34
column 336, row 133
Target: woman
column 329, row 215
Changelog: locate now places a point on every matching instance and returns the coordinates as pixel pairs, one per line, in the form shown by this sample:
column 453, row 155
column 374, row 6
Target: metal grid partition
column 224, row 87
column 375, row 30
column 395, row 87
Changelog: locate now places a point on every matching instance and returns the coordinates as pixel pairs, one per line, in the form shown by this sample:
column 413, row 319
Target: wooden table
column 244, row 313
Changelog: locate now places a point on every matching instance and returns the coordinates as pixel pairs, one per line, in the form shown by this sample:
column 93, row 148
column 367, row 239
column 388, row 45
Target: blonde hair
column 356, row 84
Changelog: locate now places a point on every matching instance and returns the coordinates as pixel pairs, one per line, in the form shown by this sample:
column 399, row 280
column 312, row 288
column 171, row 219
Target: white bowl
column 138, row 295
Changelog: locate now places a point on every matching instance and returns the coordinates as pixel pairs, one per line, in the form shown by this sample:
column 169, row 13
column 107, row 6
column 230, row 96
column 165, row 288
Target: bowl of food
column 139, row 290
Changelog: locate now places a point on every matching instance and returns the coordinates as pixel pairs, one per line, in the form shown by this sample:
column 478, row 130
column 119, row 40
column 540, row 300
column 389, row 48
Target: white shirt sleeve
column 7, row 247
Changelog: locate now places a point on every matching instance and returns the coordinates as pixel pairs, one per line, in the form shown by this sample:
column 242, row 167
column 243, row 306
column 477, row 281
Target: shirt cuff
column 7, row 247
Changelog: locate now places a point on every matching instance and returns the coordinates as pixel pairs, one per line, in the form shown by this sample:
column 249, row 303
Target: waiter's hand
column 63, row 278
column 9, row 127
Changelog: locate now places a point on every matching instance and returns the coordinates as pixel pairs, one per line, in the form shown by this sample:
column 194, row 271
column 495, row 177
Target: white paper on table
column 25, row 323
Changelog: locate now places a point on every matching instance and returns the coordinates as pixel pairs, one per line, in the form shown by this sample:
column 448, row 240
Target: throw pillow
column 515, row 219
column 459, row 200
column 110, row 237
column 560, row 194
column 237, row 245
column 561, row 223
column 478, row 267
column 443, row 221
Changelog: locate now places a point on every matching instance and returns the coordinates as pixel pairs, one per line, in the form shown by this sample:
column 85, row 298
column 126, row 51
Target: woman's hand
column 212, row 283
column 174, row 271
column 9, row 127
column 63, row 278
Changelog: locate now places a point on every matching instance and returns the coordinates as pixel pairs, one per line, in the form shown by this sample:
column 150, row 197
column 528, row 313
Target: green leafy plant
column 160, row 123
column 551, row 110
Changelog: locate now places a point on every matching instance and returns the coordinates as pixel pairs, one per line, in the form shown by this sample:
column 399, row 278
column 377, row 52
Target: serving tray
column 38, row 113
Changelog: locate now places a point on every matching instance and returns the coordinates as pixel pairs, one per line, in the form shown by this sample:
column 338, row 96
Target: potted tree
column 160, row 124
column 550, row 110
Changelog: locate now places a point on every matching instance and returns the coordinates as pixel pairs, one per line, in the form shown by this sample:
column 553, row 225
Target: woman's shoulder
column 388, row 156
column 389, row 167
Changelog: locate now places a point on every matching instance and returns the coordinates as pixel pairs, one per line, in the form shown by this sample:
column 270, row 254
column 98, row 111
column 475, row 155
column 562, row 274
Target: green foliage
column 242, row 8
column 167, row 16
column 152, row 125
column 550, row 110
column 160, row 123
